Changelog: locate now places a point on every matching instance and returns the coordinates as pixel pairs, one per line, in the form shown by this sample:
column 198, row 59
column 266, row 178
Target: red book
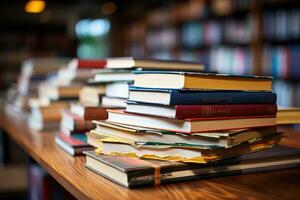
column 74, row 145
column 201, row 111
column 91, row 64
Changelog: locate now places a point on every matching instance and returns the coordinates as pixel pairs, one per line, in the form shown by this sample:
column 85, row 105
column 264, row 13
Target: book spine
column 92, row 113
column 82, row 125
column 187, row 111
column 215, row 98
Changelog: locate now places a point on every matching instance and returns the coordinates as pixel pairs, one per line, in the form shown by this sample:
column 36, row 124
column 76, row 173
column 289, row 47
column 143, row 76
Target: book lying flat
column 91, row 95
column 190, row 125
column 112, row 146
column 198, row 97
column 200, row 111
column 73, row 145
column 139, row 135
column 130, row 62
column 117, row 89
column 288, row 115
column 113, row 102
column 87, row 64
column 74, row 122
column 133, row 172
column 198, row 80
column 89, row 112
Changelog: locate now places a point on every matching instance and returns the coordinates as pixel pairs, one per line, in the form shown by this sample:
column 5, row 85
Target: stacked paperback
column 187, row 122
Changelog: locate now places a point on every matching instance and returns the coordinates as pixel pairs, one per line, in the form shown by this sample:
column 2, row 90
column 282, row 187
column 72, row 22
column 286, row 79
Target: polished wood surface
column 85, row 184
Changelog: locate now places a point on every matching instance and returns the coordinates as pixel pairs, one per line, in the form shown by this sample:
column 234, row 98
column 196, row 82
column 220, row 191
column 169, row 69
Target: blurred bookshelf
column 23, row 41
column 228, row 36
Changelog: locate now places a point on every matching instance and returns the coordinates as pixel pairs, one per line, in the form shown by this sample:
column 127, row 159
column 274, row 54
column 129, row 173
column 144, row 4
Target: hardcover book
column 75, row 123
column 191, row 125
column 198, row 80
column 74, row 145
column 198, row 97
column 139, row 136
column 89, row 112
column 200, row 111
column 133, row 172
column 130, row 62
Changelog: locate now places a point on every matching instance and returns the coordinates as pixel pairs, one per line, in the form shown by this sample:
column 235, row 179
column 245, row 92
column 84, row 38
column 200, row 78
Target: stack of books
column 33, row 72
column 106, row 88
column 189, row 117
column 77, row 119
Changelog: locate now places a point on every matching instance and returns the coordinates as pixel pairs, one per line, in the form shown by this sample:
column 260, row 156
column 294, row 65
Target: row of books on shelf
column 167, row 125
column 282, row 61
column 213, row 32
column 281, row 25
column 197, row 34
column 288, row 93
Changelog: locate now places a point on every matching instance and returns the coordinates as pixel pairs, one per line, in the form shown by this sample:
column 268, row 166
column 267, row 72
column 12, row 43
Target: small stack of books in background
column 186, row 116
column 33, row 72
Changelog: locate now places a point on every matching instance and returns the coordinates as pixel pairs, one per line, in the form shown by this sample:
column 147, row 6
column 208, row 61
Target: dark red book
column 201, row 111
column 91, row 64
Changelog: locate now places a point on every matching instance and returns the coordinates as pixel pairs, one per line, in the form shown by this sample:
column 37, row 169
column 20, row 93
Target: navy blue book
column 198, row 97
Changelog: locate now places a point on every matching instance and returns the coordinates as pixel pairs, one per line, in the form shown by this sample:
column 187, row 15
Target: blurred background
column 260, row 37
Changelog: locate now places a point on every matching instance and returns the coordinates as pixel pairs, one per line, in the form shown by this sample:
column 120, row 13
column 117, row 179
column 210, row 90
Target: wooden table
column 84, row 184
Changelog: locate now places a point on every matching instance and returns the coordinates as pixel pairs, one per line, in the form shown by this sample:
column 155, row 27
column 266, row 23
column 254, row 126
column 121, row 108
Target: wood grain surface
column 85, row 184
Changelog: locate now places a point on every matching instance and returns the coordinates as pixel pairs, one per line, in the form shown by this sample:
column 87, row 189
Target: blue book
column 198, row 97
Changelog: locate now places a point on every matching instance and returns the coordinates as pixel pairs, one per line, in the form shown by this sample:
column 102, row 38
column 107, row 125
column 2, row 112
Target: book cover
column 91, row 64
column 191, row 125
column 198, row 80
column 140, row 172
column 201, row 111
column 202, row 74
column 95, row 113
column 205, row 97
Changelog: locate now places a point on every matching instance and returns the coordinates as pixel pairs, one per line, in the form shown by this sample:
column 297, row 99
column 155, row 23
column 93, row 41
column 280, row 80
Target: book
column 87, row 64
column 73, row 145
column 45, row 118
column 91, row 95
column 199, row 97
column 113, row 102
column 117, row 89
column 200, row 111
column 73, row 122
column 56, row 93
column 133, row 172
column 89, row 112
column 198, row 80
column 110, row 146
column 107, row 76
column 288, row 115
column 141, row 136
column 190, row 125
column 130, row 62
